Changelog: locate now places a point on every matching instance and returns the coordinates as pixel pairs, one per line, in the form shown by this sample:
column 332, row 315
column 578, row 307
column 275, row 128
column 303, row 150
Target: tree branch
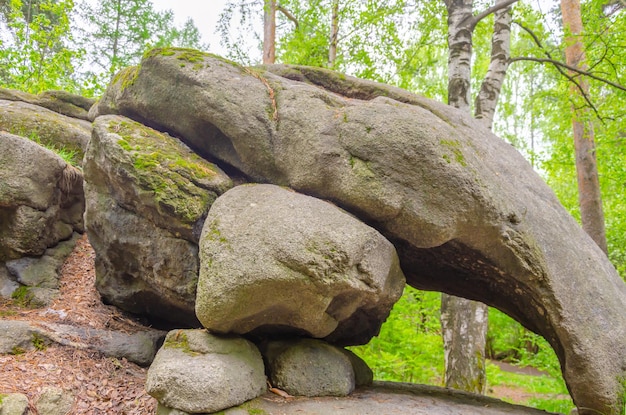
column 489, row 11
column 559, row 67
column 288, row 15
column 570, row 68
column 534, row 36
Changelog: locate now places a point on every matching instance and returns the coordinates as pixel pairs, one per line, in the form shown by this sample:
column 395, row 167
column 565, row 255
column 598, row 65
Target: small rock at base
column 54, row 401
column 198, row 372
column 309, row 367
column 13, row 404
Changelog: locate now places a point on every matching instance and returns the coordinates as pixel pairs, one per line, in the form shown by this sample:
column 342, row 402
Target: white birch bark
column 464, row 322
column 334, row 33
column 460, row 29
column 487, row 98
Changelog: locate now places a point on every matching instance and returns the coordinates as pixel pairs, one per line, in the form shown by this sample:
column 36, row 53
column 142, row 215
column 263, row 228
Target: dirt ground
column 101, row 385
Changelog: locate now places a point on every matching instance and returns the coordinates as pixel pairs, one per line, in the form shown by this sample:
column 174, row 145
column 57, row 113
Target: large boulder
column 197, row 372
column 45, row 126
column 63, row 102
column 467, row 213
column 146, row 197
column 41, row 214
column 41, row 198
column 275, row 260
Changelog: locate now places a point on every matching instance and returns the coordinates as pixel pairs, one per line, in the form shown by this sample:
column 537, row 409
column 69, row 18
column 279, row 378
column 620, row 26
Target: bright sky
column 204, row 14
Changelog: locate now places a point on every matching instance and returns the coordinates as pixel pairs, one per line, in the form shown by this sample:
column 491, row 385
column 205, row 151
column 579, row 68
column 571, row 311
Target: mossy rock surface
column 62, row 102
column 153, row 174
column 183, row 184
column 147, row 195
column 197, row 372
column 55, row 131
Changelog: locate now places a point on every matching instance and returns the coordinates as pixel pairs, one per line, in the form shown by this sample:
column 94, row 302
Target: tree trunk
column 487, row 98
column 334, row 32
column 459, row 52
column 116, row 38
column 463, row 322
column 589, row 197
column 269, row 32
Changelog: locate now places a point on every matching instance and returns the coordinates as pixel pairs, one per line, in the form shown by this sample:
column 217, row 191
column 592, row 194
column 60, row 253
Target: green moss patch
column 182, row 54
column 39, row 342
column 253, row 411
column 126, row 77
column 22, row 296
column 183, row 184
column 454, row 147
column 179, row 340
column 213, row 233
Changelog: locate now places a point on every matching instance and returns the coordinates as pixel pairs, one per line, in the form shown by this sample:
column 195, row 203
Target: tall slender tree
column 269, row 31
column 589, row 197
column 334, row 34
column 464, row 323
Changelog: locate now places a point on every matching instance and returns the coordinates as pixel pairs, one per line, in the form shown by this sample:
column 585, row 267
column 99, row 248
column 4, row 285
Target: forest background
column 78, row 47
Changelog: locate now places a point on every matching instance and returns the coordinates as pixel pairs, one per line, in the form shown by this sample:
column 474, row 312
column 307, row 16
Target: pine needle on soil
column 100, row 385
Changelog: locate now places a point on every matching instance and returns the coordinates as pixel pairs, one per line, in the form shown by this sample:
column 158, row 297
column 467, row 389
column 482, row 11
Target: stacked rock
column 285, row 270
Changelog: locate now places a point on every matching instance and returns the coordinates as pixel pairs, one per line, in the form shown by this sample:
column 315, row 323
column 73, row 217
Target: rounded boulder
column 273, row 261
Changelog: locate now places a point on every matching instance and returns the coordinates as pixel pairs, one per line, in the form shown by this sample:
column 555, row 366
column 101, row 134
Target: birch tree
column 334, row 34
column 464, row 322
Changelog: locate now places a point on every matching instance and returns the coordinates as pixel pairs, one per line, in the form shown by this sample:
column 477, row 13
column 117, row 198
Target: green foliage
column 409, row 347
column 548, row 393
column 605, row 59
column 421, row 64
column 369, row 34
column 16, row 350
column 22, row 296
column 7, row 313
column 118, row 33
column 507, row 340
column 39, row 342
column 69, row 155
column 35, row 51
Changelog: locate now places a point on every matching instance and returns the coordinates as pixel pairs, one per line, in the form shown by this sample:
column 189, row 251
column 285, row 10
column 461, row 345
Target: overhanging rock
column 466, row 212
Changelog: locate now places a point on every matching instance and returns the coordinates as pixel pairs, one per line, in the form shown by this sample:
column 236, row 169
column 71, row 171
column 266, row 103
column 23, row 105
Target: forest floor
column 100, row 384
